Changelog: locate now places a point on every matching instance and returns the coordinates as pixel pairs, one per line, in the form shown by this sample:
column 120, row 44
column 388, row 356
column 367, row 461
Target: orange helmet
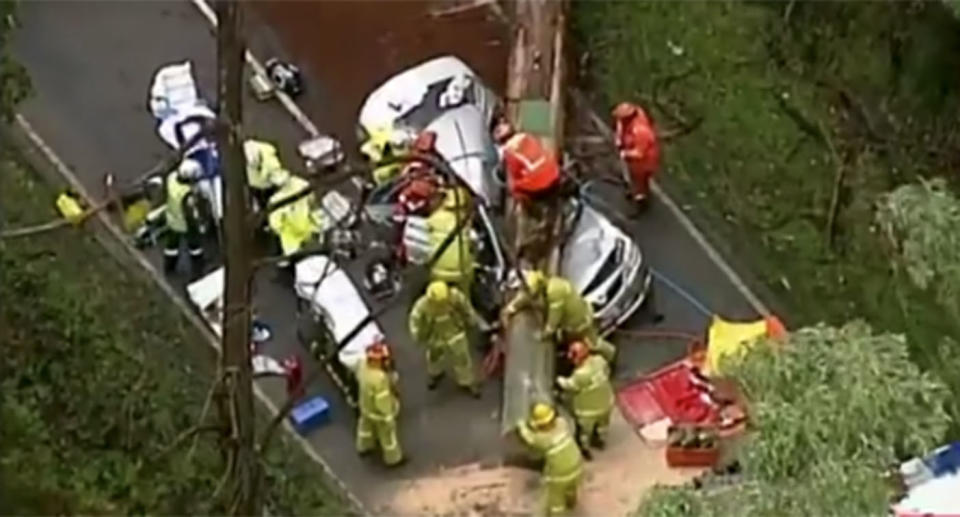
column 577, row 352
column 624, row 110
column 503, row 131
column 425, row 141
column 378, row 351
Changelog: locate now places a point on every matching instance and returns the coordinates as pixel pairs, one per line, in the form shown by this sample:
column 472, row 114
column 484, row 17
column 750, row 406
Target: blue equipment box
column 310, row 414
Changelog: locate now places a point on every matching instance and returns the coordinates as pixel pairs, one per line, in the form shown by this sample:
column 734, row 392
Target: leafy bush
column 100, row 376
column 830, row 412
column 15, row 84
column 922, row 224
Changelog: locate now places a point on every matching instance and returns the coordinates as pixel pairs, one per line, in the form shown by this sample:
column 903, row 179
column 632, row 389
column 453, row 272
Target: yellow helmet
column 456, row 197
column 536, row 280
column 542, row 415
column 438, row 291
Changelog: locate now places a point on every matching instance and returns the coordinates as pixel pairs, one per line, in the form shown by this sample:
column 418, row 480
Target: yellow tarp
column 728, row 338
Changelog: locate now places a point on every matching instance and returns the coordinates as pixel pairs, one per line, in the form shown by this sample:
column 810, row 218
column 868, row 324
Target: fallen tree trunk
column 535, row 75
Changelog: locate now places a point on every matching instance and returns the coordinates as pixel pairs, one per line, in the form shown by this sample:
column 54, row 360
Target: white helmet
column 189, row 170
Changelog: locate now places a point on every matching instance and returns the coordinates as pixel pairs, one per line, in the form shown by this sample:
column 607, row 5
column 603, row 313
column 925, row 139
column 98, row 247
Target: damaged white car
column 445, row 96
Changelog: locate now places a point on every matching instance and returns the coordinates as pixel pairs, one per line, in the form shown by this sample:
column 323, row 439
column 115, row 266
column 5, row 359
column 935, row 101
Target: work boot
column 475, row 391
column 587, row 455
column 641, row 202
column 170, row 263
column 599, row 442
column 196, row 266
column 433, row 381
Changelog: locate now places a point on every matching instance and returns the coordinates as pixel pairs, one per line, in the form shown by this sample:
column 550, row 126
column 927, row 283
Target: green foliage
column 830, row 411
column 771, row 85
column 922, row 223
column 15, row 84
column 101, row 375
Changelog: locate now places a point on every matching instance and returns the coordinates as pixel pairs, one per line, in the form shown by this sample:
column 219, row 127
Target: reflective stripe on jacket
column 566, row 309
column 531, row 167
column 435, row 324
column 562, row 458
column 177, row 192
column 590, row 387
column 296, row 222
column 377, row 398
column 457, row 260
column 259, row 170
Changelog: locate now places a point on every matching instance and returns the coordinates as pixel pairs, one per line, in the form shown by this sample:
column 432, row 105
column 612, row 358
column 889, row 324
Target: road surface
column 92, row 62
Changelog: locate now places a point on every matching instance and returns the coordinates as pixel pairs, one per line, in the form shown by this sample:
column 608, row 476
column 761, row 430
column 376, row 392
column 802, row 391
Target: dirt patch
column 616, row 480
column 351, row 47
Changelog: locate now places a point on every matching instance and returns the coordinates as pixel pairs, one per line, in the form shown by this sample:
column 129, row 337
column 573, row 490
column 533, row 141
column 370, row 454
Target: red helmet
column 577, row 352
column 378, row 351
column 503, row 131
column 625, row 110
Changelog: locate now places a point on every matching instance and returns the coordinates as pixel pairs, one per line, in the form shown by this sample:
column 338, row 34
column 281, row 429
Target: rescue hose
column 686, row 295
column 697, row 304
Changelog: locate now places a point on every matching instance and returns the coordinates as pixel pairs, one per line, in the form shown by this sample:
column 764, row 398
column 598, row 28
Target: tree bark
column 535, row 71
column 236, row 402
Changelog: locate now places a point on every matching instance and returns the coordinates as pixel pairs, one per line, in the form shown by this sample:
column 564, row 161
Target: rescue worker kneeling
column 181, row 228
column 569, row 316
column 550, row 438
column 456, row 264
column 439, row 321
column 297, row 222
column 590, row 395
column 379, row 404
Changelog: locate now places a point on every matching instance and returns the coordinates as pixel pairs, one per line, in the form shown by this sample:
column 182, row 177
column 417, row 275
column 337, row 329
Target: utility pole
column 243, row 475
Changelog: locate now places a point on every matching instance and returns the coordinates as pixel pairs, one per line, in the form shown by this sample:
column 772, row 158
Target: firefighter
column 569, row 316
column 439, row 321
column 549, row 437
column 636, row 140
column 591, row 395
column 263, row 164
column 379, row 405
column 456, row 264
column 533, row 178
column 384, row 147
column 296, row 222
column 181, row 228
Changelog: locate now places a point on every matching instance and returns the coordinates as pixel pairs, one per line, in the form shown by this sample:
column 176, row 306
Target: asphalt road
column 92, row 62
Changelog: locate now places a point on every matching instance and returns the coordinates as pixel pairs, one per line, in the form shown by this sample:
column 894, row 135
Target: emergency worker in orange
column 533, row 177
column 639, row 148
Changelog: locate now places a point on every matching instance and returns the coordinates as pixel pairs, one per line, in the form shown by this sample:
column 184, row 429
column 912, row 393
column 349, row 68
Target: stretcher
column 332, row 295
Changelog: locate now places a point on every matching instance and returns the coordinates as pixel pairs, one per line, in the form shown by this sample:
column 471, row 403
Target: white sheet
column 173, row 89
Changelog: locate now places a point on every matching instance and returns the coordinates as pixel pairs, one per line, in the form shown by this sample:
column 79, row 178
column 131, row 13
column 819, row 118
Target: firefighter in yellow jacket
column 297, row 222
column 439, row 321
column 457, row 264
column 263, row 170
column 569, row 316
column 181, row 228
column 383, row 148
column 590, row 394
column 379, row 405
column 550, row 437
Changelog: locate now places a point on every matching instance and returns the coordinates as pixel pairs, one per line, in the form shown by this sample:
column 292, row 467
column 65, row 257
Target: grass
column 785, row 100
column 101, row 374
